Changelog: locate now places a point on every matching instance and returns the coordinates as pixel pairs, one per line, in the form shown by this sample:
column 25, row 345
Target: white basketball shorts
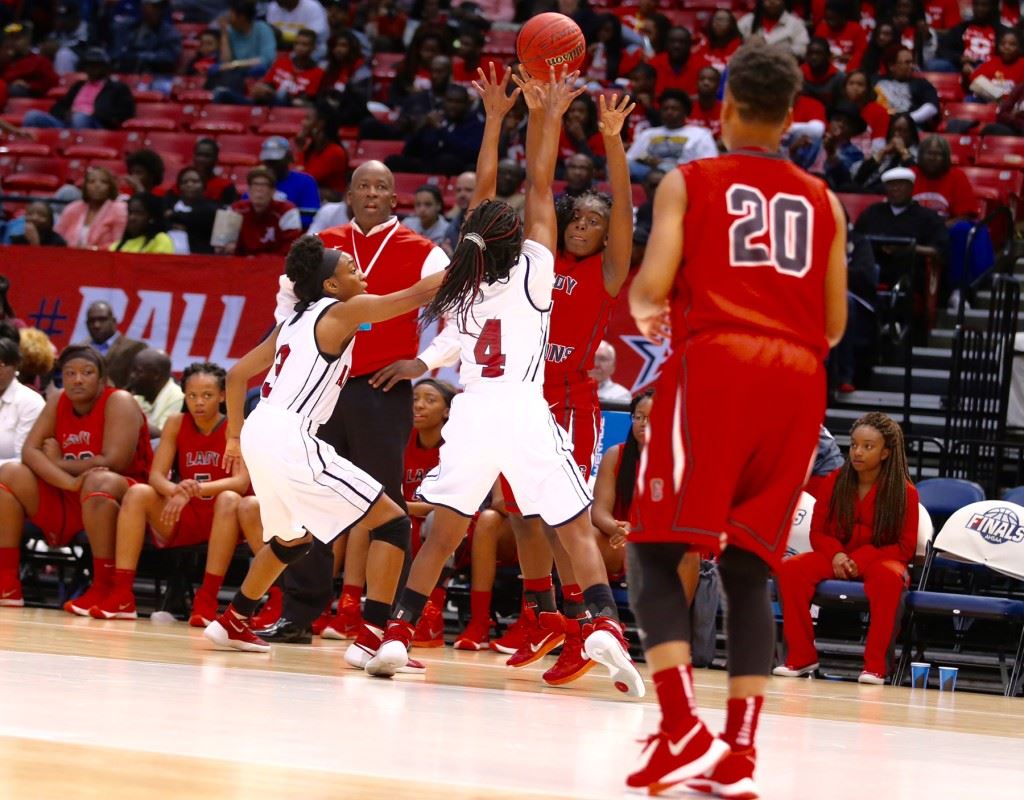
column 300, row 481
column 507, row 429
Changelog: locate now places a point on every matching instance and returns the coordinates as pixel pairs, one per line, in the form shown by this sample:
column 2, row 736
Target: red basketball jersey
column 758, row 232
column 419, row 461
column 579, row 316
column 81, row 437
column 200, row 455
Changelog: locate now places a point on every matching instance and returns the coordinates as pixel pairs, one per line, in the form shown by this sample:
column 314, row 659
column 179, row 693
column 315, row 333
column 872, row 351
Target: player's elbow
column 835, row 326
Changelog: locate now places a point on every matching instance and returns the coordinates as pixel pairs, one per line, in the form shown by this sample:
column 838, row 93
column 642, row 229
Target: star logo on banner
column 652, row 355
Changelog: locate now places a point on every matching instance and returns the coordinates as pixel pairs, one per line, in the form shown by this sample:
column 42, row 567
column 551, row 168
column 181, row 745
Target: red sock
column 124, row 580
column 480, row 606
column 572, row 593
column 351, row 593
column 103, row 572
column 10, row 560
column 211, row 584
column 438, row 596
column 741, row 721
column 675, row 696
column 538, row 584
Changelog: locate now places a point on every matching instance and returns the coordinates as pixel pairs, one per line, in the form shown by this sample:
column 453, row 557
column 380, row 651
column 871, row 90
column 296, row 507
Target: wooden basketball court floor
column 140, row 710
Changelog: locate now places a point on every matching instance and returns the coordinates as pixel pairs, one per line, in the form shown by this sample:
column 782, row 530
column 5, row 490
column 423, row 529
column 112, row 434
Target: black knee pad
column 656, row 594
column 289, row 555
column 749, row 622
column 397, row 533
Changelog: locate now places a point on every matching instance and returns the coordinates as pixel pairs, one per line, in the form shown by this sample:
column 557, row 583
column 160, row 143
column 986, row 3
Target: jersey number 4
column 787, row 220
column 488, row 350
column 282, row 355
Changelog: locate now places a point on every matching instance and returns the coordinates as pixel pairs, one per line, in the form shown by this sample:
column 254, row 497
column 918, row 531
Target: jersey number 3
column 282, row 355
column 787, row 219
column 488, row 350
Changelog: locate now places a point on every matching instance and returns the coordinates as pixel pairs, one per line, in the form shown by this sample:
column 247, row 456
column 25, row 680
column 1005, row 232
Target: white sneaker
column 786, row 671
column 391, row 657
column 605, row 648
column 871, row 678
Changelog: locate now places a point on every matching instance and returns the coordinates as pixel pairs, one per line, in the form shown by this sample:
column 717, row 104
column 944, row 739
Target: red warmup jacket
column 826, row 537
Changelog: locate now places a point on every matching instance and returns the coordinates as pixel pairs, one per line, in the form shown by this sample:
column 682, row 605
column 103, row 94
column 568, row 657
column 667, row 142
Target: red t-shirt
column 1001, row 73
column 818, row 80
column 942, row 14
column 271, row 232
column 461, row 74
column 877, row 118
column 717, row 57
column 979, row 43
column 284, row 76
column 329, row 167
column 216, row 188
column 81, row 437
column 685, row 79
column 847, row 44
column 949, row 196
column 566, row 147
column 35, row 70
column 579, row 317
column 707, row 118
column 807, row 108
column 736, row 274
column 392, row 257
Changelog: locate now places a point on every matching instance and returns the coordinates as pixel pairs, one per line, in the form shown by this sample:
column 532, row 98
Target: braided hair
column 629, row 461
column 891, row 500
column 215, row 371
column 497, row 226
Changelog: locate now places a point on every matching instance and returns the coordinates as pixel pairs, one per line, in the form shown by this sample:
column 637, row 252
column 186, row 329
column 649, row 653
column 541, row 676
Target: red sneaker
column 549, row 633
column 430, row 630
column 92, row 597
column 322, row 622
column 365, row 647
column 393, row 653
column 515, row 634
column 732, row 777
column 10, row 593
column 476, row 636
column 271, row 611
column 666, row 762
column 604, row 642
column 572, row 662
column 116, row 605
column 204, row 610
column 347, row 623
column 231, row 632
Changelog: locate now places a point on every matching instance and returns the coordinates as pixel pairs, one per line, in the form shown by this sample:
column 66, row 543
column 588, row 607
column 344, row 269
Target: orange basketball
column 550, row 40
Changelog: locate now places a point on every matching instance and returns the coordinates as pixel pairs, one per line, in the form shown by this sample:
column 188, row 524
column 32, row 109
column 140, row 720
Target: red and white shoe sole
column 584, row 668
column 71, row 608
column 198, row 621
column 429, row 643
column 550, row 643
column 390, row 657
column 216, row 633
column 98, row 613
column 503, row 648
column 744, row 789
column 605, row 649
column 330, row 632
column 692, row 769
column 10, row 602
column 357, row 656
column 471, row 645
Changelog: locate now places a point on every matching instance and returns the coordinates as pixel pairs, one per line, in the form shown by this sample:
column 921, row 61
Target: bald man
column 465, row 185
column 156, row 392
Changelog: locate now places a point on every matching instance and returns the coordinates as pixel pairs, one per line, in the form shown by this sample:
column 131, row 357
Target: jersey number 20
column 787, row 219
column 488, row 350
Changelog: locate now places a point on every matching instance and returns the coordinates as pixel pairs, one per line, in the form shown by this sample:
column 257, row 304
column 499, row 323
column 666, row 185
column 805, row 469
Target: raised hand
column 494, row 93
column 559, row 92
column 612, row 114
column 530, row 88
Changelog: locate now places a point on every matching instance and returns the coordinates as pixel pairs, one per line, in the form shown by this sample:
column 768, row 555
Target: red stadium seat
column 980, row 113
column 148, row 96
column 157, row 117
column 17, row 107
column 199, row 97
column 1001, row 151
column 374, row 150
column 33, row 173
column 247, row 144
column 90, row 144
column 1002, row 186
column 949, row 85
column 176, row 144
column 117, row 166
column 962, row 147
column 219, row 118
column 283, row 128
column 21, row 147
column 855, row 204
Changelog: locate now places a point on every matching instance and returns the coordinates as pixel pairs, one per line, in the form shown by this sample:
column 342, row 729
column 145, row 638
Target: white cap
column 898, row 174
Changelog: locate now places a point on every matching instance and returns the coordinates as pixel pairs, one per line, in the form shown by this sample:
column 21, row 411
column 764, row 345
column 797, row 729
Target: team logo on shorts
column 657, row 490
column 997, row 526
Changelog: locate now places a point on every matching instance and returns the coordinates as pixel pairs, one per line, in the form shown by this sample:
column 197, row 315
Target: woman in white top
column 771, row 23
column 19, row 405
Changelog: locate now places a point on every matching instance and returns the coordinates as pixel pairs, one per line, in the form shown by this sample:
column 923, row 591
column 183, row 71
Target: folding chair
column 944, row 496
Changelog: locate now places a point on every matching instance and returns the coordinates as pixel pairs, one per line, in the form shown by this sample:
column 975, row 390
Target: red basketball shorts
column 193, row 526
column 59, row 515
column 732, row 436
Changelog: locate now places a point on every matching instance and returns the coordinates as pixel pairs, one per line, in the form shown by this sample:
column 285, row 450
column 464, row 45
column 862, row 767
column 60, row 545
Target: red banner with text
column 196, row 308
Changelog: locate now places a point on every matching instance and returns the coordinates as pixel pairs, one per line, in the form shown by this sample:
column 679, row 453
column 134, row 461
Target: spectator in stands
column 98, row 219
column 822, row 80
column 39, row 227
column 208, row 54
column 903, row 92
column 856, row 88
column 641, row 87
column 153, row 46
column 446, row 143
column 645, row 211
column 118, row 351
column 580, row 134
column 509, row 183
column 414, row 72
column 706, row 111
column 841, row 156
column 671, row 143
column 156, row 392
column 38, row 356
column 291, row 16
column 320, row 153
column 881, row 46
column 843, row 33
column 97, row 102
column 864, row 528
column 68, row 481
column 426, row 219
column 579, row 176
column 580, row 12
column 677, row 67
column 998, row 75
column 247, row 48
column 465, row 185
column 469, row 57
column 69, row 37
column 899, row 150
column 189, row 211
column 721, row 38
column 298, row 188
column 642, row 24
column 330, row 215
column 771, row 23
column 26, row 74
column 294, row 78
column 608, row 391
column 1009, row 116
column 269, row 226
column 347, row 70
column 145, row 171
column 216, row 187
column 966, row 46
column 20, row 406
column 608, row 56
column 144, row 229
column 852, row 359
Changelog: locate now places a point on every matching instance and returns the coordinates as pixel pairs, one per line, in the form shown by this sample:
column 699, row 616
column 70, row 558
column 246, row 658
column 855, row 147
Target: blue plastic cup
column 947, row 679
column 919, row 671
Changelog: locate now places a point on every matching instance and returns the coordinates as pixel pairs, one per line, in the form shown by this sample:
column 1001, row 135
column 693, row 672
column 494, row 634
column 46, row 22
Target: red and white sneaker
column 231, row 632
column 347, row 623
column 204, row 610
column 549, row 634
column 393, row 653
column 572, row 662
column 81, row 605
column 10, row 594
column 732, row 777
column 271, row 611
column 604, row 642
column 515, row 635
column 116, row 605
column 476, row 636
column 430, row 629
column 666, row 762
column 322, row 622
column 364, row 648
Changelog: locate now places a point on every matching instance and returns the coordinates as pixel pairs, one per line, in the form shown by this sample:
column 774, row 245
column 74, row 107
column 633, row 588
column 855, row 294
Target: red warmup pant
column 884, row 582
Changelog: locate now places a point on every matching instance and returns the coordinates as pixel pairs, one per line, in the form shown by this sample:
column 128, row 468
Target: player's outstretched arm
column 497, row 103
column 617, row 254
column 648, row 294
column 836, row 307
column 378, row 308
column 444, row 351
column 256, row 361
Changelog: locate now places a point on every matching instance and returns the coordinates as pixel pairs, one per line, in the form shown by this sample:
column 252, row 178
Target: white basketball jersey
column 506, row 331
column 302, row 379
